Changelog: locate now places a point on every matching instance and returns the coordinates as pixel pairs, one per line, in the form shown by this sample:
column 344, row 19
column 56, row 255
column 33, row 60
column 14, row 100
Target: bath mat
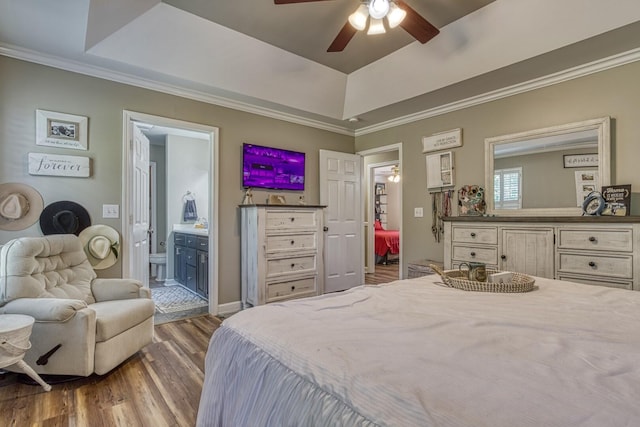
column 170, row 299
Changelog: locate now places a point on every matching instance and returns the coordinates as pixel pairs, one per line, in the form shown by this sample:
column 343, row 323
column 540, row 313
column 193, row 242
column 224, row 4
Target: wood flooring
column 384, row 274
column 158, row 386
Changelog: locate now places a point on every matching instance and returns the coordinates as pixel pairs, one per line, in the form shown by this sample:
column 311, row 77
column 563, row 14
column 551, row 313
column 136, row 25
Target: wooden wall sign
column 56, row 165
column 442, row 141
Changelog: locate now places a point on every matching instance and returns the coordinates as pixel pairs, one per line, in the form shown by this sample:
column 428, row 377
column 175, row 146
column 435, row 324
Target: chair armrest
column 115, row 289
column 45, row 309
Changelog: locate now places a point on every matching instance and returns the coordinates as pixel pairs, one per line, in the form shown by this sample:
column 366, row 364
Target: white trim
column 94, row 71
column 229, row 308
column 214, row 190
column 551, row 79
column 153, row 176
column 119, row 77
column 371, row 256
column 370, row 238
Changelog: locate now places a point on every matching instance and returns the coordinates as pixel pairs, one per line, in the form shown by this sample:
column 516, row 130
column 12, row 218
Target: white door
column 139, row 241
column 340, row 191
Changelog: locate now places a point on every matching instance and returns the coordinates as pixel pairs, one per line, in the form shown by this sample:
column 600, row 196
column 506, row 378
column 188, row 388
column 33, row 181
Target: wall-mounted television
column 273, row 168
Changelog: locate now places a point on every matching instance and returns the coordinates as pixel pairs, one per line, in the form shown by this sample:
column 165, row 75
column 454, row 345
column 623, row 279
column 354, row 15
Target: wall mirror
column 547, row 171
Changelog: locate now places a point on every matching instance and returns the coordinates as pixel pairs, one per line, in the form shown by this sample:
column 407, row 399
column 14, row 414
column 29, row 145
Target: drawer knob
column 292, row 219
column 592, row 264
column 473, row 235
column 473, row 254
column 292, row 265
column 592, row 239
column 293, row 241
column 293, row 288
column 503, row 257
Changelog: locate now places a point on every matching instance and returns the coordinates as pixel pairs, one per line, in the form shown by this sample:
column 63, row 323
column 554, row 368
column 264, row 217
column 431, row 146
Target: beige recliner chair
column 82, row 324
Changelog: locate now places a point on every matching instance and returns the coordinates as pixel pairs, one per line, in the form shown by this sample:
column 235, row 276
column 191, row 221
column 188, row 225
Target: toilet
column 158, row 262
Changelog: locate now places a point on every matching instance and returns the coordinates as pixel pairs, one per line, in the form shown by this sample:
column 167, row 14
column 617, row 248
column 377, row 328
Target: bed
column 416, row 353
column 387, row 244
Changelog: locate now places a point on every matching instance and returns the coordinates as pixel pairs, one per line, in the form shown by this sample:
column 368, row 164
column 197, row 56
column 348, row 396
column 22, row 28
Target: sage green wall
column 25, row 87
column 613, row 93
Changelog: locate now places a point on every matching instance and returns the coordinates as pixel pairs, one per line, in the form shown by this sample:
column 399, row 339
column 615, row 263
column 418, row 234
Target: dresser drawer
column 621, row 284
column 202, row 243
column 192, row 241
column 280, row 266
column 596, row 239
column 464, row 253
column 596, row 265
column 291, row 219
column 179, row 239
column 291, row 242
column 291, row 288
column 484, row 235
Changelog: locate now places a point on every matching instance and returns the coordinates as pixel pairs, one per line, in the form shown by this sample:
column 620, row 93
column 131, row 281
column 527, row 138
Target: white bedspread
column 415, row 353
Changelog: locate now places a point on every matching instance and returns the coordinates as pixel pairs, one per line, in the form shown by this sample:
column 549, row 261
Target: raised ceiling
column 270, row 59
column 307, row 29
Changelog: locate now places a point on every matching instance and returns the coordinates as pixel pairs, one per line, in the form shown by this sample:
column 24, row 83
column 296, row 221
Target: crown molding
column 129, row 79
column 549, row 80
column 119, row 77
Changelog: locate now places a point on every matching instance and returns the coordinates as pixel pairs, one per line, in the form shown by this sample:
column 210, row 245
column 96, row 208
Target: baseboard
column 229, row 308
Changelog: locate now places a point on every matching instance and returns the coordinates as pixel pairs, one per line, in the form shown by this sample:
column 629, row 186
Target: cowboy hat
column 101, row 243
column 20, row 206
column 64, row 217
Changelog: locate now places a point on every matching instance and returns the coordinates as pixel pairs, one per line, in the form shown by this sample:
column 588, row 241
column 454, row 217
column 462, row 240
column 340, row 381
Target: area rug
column 170, row 299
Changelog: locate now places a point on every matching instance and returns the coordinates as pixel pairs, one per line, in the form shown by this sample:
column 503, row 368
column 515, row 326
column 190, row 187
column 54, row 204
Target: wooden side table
column 15, row 331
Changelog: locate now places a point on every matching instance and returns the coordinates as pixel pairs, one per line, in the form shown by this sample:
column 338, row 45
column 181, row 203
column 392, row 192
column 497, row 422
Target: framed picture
column 580, row 160
column 61, row 130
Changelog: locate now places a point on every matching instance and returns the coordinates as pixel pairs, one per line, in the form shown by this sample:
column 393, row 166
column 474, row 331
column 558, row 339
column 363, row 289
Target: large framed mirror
column 547, row 171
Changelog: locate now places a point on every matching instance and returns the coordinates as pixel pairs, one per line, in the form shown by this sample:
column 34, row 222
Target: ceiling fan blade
column 293, row 1
column 343, row 38
column 414, row 24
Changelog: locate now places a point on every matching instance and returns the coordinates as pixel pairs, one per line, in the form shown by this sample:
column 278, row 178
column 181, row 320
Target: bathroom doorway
column 183, row 160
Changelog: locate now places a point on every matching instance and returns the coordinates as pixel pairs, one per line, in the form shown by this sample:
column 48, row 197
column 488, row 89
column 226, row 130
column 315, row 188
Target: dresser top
column 529, row 219
column 264, row 205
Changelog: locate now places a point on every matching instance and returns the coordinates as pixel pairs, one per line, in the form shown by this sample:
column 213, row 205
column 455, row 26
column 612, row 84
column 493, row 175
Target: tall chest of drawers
column 601, row 251
column 281, row 253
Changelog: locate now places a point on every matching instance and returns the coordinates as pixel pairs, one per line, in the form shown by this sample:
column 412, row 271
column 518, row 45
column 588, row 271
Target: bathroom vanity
column 191, row 259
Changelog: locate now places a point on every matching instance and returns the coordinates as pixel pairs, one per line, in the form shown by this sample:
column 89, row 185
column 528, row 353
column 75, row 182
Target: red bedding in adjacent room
column 387, row 241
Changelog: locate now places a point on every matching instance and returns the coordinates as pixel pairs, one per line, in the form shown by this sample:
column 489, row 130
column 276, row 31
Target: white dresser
column 281, row 252
column 601, row 251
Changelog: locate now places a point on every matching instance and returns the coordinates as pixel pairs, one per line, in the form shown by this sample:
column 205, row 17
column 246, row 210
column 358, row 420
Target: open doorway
column 383, row 210
column 183, row 164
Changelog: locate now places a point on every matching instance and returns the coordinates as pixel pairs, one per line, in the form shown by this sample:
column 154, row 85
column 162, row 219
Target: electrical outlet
column 110, row 211
column 418, row 212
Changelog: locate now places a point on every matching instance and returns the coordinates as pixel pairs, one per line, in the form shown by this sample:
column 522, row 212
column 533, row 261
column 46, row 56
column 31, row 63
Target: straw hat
column 64, row 217
column 101, row 243
column 20, row 206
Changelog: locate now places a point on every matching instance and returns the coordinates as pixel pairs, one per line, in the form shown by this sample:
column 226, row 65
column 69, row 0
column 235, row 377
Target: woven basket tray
column 458, row 279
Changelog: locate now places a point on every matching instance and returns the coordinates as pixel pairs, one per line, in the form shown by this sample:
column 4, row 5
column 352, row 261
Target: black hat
column 64, row 218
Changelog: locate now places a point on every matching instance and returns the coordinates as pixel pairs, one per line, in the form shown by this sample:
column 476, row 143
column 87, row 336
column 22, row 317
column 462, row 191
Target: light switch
column 418, row 212
column 110, row 211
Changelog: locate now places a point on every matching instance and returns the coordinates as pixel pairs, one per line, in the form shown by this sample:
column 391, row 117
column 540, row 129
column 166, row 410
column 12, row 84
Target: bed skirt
column 260, row 391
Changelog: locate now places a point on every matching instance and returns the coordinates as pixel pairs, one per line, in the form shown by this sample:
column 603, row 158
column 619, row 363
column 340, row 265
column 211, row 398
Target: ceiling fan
column 396, row 12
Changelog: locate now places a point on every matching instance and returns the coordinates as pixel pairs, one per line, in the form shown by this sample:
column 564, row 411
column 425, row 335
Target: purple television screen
column 275, row 168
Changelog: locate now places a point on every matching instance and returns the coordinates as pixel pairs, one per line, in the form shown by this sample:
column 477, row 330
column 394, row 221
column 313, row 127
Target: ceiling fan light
column 358, row 19
column 376, row 26
column 395, row 15
column 378, row 9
